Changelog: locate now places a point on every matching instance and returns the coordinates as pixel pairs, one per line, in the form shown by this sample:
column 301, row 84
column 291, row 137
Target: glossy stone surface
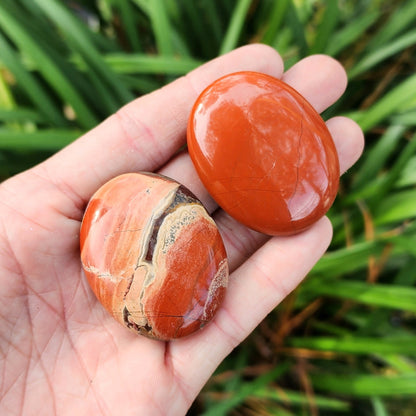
column 264, row 154
column 153, row 256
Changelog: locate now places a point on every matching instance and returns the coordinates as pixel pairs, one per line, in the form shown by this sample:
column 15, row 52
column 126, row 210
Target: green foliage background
column 345, row 341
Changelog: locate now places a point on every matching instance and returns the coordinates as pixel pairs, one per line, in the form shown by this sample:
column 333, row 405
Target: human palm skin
column 60, row 351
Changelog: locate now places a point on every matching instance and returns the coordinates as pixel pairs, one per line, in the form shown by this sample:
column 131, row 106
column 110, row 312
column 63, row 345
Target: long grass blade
column 45, row 139
column 298, row 30
column 245, row 390
column 150, row 64
column 81, row 42
column 277, row 15
column 31, row 86
column 375, row 158
column 51, row 72
column 388, row 104
column 359, row 345
column 364, row 385
column 235, row 26
column 386, row 296
column 374, row 58
column 293, row 398
column 161, row 27
column 342, row 38
column 326, row 27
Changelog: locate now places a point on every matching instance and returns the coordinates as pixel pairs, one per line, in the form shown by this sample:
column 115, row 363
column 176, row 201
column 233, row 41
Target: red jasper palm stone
column 264, row 154
column 153, row 256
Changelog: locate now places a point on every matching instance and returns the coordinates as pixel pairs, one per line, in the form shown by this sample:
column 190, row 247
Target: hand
column 61, row 353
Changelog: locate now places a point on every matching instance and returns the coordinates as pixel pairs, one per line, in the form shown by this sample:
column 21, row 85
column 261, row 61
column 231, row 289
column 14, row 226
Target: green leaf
column 32, row 87
column 234, row 28
column 386, row 296
column 80, row 40
column 397, row 207
column 247, row 389
column 277, row 15
column 51, row 72
column 148, row 64
column 353, row 31
column 21, row 114
column 364, row 385
column 129, row 23
column 293, row 398
column 46, row 140
column 388, row 104
column 398, row 21
column 378, row 55
column 358, row 345
column 326, row 27
column 375, row 158
column 346, row 260
column 298, row 29
column 161, row 27
column 379, row 407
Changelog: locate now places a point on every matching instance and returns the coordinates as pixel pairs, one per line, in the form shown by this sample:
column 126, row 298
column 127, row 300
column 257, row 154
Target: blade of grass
column 21, row 115
column 363, row 385
column 212, row 14
column 245, row 390
column 408, row 118
column 408, row 174
column 388, row 104
column 401, row 364
column 50, row 71
column 396, row 169
column 326, row 27
column 353, row 30
column 403, row 17
column 292, row 398
column 347, row 259
column 129, row 23
column 148, row 64
column 235, row 26
column 356, row 345
column 298, row 30
column 374, row 58
column 400, row 206
column 276, row 17
column 161, row 27
column 196, row 30
column 376, row 157
column 6, row 97
column 31, row 86
column 386, row 296
column 45, row 140
column 143, row 5
column 379, row 407
column 79, row 39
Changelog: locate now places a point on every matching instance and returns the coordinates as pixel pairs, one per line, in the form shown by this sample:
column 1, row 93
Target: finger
column 255, row 289
column 349, row 140
column 145, row 133
column 319, row 78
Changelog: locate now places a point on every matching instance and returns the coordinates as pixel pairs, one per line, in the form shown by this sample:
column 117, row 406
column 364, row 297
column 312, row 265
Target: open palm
column 60, row 352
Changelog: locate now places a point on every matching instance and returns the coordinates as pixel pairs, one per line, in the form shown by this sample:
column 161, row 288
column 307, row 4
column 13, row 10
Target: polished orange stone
column 153, row 256
column 263, row 152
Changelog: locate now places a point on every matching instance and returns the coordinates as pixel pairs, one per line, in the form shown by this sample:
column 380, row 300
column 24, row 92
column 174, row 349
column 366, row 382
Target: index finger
column 144, row 134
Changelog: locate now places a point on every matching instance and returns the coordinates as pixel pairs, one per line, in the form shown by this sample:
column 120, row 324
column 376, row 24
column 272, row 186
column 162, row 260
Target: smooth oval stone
column 153, row 256
column 263, row 152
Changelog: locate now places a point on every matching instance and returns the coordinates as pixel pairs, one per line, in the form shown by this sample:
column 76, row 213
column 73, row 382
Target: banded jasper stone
column 263, row 152
column 153, row 256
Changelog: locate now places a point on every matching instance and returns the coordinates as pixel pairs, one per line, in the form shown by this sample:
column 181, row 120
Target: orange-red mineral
column 263, row 152
column 153, row 256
